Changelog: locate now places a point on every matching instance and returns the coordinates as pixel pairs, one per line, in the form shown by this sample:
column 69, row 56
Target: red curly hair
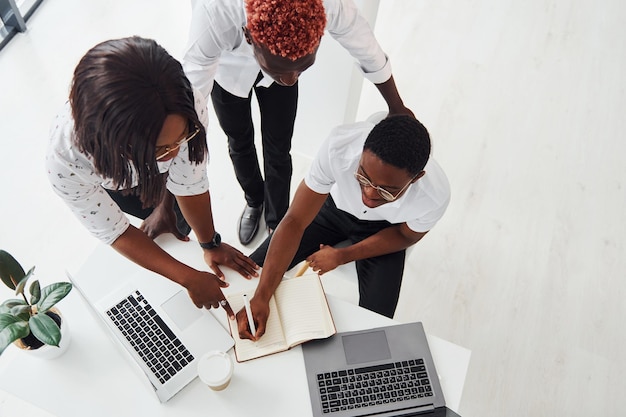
column 288, row 28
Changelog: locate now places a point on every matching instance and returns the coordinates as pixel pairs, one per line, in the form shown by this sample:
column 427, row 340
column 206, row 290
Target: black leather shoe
column 249, row 223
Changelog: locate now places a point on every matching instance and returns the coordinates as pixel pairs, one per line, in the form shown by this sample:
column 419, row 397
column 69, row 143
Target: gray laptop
column 387, row 371
column 153, row 319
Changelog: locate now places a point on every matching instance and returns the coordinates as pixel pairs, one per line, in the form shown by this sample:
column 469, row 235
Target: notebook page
column 303, row 309
column 272, row 341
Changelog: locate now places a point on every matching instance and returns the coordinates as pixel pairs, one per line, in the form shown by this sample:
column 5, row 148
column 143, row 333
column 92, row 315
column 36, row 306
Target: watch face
column 217, row 239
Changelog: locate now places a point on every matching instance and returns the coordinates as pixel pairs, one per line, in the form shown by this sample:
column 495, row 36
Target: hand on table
column 205, row 290
column 161, row 220
column 228, row 256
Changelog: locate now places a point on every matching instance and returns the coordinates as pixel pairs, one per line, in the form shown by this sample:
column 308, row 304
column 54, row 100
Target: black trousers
column 130, row 203
column 379, row 277
column 278, row 106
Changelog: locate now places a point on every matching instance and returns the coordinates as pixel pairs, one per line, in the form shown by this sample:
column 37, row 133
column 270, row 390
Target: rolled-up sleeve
column 348, row 27
column 211, row 31
column 187, row 178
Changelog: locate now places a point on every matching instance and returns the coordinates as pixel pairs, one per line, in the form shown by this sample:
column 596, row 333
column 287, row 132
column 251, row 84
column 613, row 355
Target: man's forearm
column 282, row 249
column 389, row 240
column 286, row 239
column 390, row 94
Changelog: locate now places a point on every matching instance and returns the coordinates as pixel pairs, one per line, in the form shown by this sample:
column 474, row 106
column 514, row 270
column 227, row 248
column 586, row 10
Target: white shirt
column 217, row 49
column 332, row 171
column 74, row 177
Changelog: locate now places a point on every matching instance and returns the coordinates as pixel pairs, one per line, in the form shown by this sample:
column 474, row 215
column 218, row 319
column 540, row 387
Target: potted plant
column 30, row 322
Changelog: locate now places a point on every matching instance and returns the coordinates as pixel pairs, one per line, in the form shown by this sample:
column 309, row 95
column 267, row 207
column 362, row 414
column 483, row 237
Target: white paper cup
column 215, row 369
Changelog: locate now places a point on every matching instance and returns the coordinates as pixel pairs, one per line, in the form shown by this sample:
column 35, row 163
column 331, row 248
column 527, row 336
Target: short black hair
column 401, row 141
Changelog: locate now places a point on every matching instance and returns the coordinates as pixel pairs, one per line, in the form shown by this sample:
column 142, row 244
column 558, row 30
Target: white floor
column 525, row 102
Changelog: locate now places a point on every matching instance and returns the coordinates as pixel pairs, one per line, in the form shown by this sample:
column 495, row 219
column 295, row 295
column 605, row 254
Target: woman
column 131, row 136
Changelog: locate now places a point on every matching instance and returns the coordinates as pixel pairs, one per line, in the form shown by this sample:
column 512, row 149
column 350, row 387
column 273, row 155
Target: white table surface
column 94, row 378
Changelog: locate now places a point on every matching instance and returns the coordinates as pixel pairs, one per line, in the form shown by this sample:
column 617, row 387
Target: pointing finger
column 228, row 308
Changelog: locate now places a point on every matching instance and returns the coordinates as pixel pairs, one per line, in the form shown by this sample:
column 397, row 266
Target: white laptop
column 382, row 372
column 152, row 318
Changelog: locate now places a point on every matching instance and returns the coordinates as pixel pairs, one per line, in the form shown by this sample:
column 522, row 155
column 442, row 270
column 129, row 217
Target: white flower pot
column 47, row 351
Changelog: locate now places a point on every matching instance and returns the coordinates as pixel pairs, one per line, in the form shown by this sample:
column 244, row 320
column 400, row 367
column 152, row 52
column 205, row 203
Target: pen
column 246, row 305
column 303, row 269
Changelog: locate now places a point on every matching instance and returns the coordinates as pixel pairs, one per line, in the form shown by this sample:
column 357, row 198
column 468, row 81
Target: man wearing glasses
column 375, row 186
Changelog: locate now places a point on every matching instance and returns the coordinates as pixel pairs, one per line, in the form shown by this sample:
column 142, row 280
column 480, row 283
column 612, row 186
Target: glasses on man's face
column 386, row 195
column 163, row 151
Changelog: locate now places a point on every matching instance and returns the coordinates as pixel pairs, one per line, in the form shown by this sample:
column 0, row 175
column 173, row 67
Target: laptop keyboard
column 151, row 338
column 354, row 388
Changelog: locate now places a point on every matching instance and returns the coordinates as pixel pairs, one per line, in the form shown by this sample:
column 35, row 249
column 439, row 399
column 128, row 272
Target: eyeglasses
column 163, row 151
column 386, row 195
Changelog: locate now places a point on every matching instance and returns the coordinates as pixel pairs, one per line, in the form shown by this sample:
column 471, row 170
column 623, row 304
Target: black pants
column 130, row 203
column 379, row 277
column 278, row 106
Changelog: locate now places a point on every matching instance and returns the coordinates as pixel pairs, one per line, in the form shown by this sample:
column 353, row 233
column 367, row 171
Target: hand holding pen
column 246, row 306
column 251, row 319
column 246, row 322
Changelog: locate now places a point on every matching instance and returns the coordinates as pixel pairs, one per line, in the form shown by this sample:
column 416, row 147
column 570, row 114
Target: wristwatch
column 215, row 243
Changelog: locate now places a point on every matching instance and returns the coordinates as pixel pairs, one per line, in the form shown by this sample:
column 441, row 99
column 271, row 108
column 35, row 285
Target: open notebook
column 298, row 312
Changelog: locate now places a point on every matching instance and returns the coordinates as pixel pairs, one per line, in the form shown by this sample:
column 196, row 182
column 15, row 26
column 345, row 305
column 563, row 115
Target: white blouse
column 74, row 178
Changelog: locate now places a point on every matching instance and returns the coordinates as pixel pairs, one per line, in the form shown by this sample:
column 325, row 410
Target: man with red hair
column 263, row 46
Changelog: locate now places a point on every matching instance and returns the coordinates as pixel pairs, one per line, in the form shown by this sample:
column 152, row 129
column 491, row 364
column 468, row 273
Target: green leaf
column 11, row 272
column 11, row 329
column 21, row 311
column 52, row 294
column 35, row 292
column 7, row 305
column 45, row 329
column 7, row 319
column 19, row 288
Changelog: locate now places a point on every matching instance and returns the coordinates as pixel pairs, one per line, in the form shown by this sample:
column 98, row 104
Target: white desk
column 93, row 378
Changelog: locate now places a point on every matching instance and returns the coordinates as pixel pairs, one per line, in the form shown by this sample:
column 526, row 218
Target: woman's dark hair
column 122, row 91
column 401, row 141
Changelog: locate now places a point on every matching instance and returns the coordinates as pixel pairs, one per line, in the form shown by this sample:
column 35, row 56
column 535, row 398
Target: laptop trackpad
column 181, row 309
column 366, row 347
